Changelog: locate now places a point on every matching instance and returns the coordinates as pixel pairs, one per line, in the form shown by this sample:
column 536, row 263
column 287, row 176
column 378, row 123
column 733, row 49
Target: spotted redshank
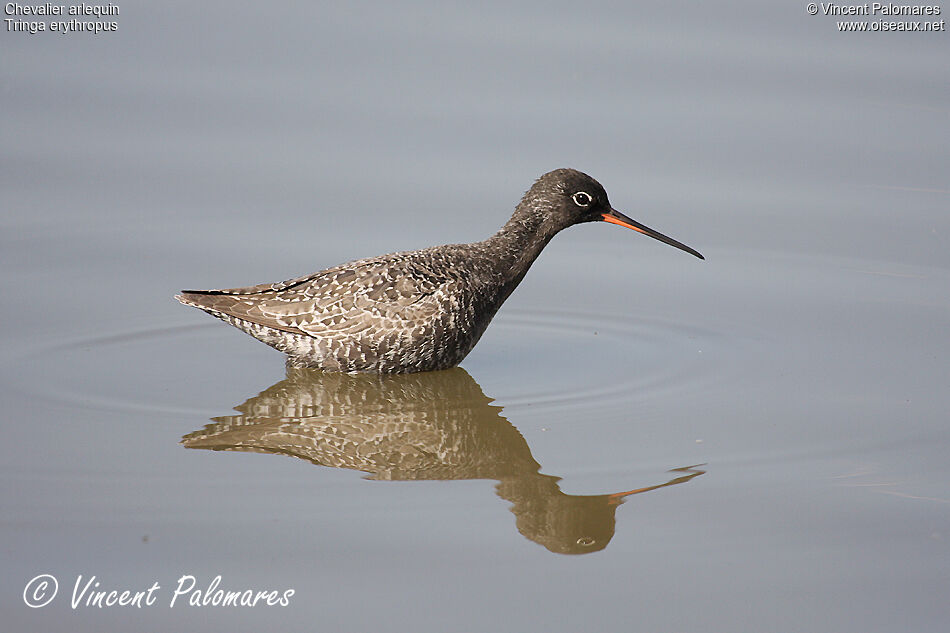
column 418, row 310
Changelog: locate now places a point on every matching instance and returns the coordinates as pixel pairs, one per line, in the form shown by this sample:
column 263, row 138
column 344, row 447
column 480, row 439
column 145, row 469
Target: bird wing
column 395, row 292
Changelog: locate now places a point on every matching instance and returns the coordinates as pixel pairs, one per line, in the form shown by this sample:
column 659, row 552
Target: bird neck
column 519, row 242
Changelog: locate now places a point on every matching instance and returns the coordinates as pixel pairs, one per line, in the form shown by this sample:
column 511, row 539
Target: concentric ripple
column 536, row 359
column 561, row 359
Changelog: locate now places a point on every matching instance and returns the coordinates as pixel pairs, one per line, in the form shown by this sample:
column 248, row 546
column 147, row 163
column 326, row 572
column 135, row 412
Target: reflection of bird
column 412, row 311
column 415, row 427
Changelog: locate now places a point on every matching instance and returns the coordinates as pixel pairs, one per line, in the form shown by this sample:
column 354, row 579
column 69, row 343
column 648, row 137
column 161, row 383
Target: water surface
column 640, row 440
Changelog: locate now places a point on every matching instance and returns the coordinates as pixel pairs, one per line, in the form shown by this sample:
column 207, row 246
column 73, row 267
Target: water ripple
column 611, row 358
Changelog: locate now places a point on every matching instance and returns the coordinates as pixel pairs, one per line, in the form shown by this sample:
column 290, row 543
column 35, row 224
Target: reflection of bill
column 426, row 426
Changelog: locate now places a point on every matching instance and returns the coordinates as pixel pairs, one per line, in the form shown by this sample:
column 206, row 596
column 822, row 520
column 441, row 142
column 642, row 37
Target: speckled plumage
column 410, row 311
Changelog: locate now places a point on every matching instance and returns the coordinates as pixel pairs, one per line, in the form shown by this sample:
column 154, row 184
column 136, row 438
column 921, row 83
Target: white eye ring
column 582, row 199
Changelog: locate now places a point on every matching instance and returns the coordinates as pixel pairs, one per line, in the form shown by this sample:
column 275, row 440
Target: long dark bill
column 616, row 217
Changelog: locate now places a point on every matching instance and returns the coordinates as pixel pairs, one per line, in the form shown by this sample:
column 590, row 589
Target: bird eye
column 582, row 199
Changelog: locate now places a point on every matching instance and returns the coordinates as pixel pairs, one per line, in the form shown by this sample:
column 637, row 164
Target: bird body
column 416, row 310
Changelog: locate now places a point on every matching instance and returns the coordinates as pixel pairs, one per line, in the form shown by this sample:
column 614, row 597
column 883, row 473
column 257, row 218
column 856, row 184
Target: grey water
column 641, row 440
